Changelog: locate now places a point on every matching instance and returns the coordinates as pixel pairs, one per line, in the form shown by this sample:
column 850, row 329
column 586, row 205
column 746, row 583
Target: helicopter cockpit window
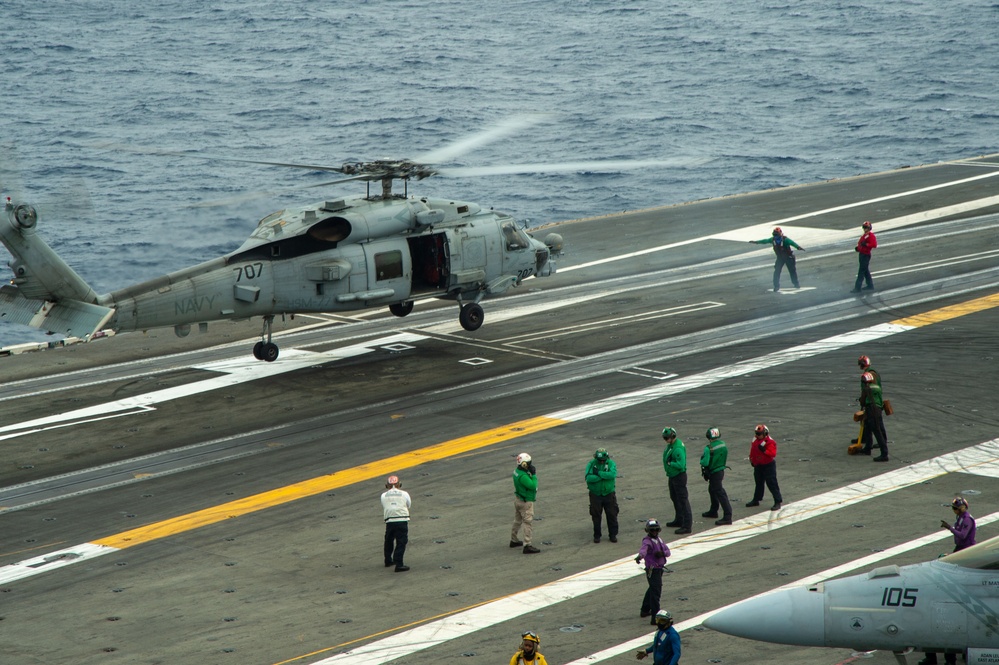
column 388, row 265
column 270, row 218
column 331, row 229
column 515, row 236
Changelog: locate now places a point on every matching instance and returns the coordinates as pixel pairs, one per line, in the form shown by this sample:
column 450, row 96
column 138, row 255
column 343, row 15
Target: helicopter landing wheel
column 265, row 349
column 268, row 351
column 471, row 316
column 401, row 308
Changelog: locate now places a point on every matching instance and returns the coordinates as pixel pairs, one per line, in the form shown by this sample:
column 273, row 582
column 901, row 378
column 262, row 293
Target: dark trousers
column 874, row 426
column 650, row 604
column 864, row 273
column 766, row 473
column 792, row 270
column 396, row 537
column 718, row 495
column 604, row 504
column 681, row 503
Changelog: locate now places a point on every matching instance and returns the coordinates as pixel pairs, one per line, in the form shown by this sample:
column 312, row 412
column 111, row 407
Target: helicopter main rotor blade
column 253, row 196
column 214, row 158
column 610, row 165
column 494, row 133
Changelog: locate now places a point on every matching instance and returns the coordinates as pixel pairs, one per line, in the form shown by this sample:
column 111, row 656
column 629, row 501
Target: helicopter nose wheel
column 471, row 316
column 265, row 349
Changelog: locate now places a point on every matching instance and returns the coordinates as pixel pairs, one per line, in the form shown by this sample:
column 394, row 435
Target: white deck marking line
column 52, row 560
column 233, row 371
column 941, row 263
column 980, row 456
column 849, row 567
column 647, row 315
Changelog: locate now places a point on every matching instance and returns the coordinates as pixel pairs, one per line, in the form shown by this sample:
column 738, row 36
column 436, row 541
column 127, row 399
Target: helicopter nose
column 543, row 265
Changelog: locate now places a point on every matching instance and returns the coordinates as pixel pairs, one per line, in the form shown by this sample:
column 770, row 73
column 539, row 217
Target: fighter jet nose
column 792, row 616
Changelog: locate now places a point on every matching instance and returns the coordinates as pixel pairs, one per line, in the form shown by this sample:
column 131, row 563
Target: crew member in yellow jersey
column 528, row 654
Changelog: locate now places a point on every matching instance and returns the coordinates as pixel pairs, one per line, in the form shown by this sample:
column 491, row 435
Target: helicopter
column 337, row 254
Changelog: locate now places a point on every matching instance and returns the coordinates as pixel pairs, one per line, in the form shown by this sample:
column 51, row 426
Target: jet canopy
column 983, row 556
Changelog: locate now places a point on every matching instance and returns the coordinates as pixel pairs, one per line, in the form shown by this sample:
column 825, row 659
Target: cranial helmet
column 669, row 432
column 601, row 455
column 713, row 434
column 652, row 525
column 531, row 636
column 761, row 429
column 393, row 481
column 663, row 617
column 864, row 362
column 523, row 458
column 778, row 232
column 958, row 503
column 867, row 226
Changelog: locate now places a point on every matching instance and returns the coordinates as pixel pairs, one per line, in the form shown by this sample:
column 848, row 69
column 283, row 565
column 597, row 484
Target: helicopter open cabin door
column 431, row 262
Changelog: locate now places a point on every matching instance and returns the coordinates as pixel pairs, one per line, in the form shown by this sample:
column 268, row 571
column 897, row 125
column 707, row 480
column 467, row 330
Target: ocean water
column 774, row 92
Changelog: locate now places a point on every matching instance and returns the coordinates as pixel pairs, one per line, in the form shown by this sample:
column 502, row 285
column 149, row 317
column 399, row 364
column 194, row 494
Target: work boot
column 713, row 515
column 613, row 539
column 596, row 539
column 752, row 504
column 883, row 458
column 681, row 531
column 723, row 521
column 673, row 523
column 401, row 569
column 515, row 543
column 776, row 506
column 530, row 549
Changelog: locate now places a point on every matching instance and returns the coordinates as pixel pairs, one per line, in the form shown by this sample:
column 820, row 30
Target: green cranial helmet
column 601, row 455
column 669, row 433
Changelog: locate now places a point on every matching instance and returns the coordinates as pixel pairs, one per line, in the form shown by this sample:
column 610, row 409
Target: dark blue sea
column 776, row 93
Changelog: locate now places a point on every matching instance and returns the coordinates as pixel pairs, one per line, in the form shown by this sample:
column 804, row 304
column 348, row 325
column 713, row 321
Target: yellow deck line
column 313, row 486
column 951, row 312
